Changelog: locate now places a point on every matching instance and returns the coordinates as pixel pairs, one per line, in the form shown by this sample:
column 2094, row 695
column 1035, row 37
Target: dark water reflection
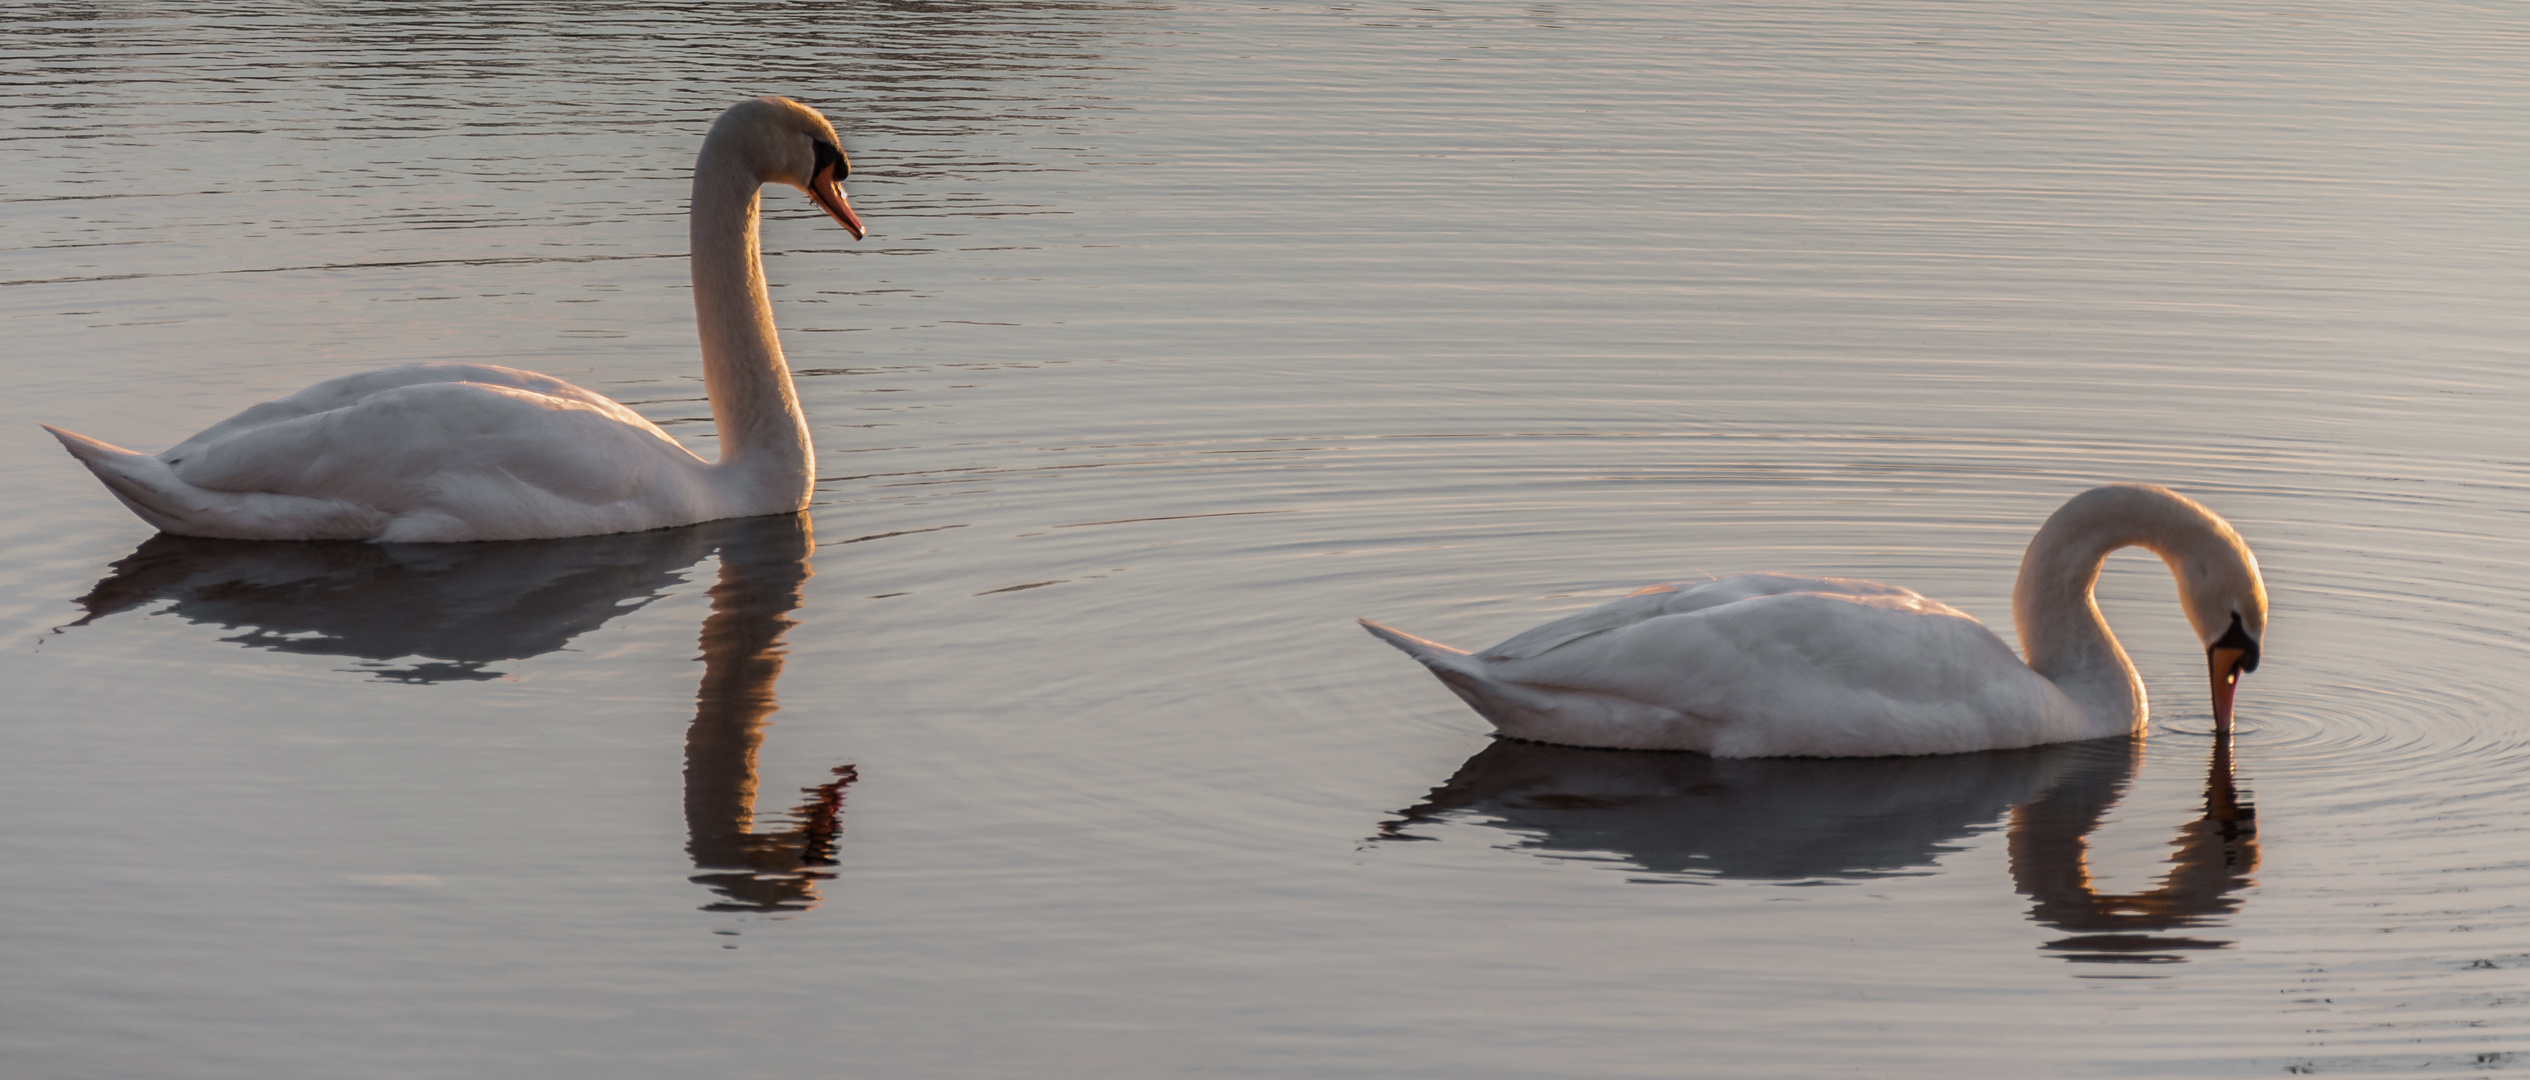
column 762, row 567
column 418, row 613
column 1806, row 820
column 430, row 613
column 2215, row 855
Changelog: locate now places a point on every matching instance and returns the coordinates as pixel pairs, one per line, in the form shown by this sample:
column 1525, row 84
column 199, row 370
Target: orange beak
column 2224, row 663
column 829, row 196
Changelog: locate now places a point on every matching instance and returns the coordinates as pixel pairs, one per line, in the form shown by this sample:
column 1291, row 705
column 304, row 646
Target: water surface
column 1044, row 743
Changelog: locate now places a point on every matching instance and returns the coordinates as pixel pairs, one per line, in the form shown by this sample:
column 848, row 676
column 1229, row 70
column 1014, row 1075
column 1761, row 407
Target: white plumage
column 1767, row 665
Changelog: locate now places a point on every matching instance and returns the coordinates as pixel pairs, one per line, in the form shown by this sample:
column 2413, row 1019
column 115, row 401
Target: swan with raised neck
column 1770, row 665
column 447, row 451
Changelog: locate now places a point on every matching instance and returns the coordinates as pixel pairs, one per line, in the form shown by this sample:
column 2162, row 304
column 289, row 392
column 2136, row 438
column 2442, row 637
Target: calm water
column 1045, row 745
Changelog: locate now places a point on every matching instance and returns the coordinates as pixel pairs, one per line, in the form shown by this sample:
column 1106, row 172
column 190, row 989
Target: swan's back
column 420, row 452
column 1763, row 665
column 1653, row 601
column 349, row 390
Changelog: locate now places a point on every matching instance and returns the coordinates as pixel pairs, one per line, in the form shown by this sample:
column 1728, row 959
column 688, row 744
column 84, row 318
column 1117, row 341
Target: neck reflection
column 2216, row 854
column 776, row 869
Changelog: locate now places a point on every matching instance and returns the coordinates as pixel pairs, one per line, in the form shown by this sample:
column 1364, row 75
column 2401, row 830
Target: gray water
column 1045, row 745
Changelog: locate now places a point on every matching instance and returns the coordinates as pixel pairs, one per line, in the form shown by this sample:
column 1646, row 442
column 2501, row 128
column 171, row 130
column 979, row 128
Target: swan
column 1770, row 665
column 447, row 452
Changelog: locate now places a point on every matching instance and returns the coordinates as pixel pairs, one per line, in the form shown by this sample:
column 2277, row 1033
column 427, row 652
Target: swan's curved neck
column 2063, row 635
column 764, row 445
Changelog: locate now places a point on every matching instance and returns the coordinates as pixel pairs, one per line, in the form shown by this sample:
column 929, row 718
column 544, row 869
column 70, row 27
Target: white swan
column 1766, row 665
column 435, row 452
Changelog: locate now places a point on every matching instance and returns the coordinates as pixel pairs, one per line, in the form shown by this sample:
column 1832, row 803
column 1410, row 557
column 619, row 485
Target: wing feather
column 418, row 444
column 1656, row 601
column 348, row 390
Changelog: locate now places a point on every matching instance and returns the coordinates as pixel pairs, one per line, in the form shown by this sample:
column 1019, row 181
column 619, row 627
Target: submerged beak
column 829, row 195
column 2224, row 663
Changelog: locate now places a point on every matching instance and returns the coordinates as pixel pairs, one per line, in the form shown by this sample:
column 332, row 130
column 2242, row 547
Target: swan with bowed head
column 1767, row 665
column 445, row 452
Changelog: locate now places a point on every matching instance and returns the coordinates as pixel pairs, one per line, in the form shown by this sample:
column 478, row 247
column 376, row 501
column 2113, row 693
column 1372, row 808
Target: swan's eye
column 828, row 155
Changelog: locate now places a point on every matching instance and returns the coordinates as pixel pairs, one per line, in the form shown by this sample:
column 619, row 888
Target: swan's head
column 789, row 143
column 2226, row 603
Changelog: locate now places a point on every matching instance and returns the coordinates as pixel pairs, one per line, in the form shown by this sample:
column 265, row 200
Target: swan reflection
column 429, row 613
column 1688, row 816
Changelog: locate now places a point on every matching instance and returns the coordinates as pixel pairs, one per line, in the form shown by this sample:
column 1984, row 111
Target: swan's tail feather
column 87, row 449
column 1433, row 654
column 1568, row 715
column 1459, row 670
column 152, row 490
column 144, row 483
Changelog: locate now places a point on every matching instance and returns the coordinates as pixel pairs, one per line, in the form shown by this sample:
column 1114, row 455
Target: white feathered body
column 420, row 452
column 1766, row 665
